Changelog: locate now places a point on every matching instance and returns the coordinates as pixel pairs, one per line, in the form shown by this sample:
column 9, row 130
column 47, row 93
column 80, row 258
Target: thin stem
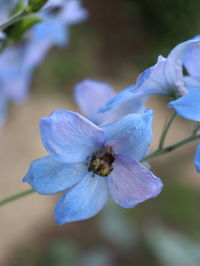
column 16, row 196
column 172, row 147
column 165, row 131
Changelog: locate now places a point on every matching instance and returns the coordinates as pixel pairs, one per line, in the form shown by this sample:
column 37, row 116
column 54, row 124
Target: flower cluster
column 18, row 60
column 99, row 156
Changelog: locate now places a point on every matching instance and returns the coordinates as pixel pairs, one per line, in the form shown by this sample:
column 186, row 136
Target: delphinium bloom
column 90, row 95
column 93, row 163
column 56, row 17
column 166, row 78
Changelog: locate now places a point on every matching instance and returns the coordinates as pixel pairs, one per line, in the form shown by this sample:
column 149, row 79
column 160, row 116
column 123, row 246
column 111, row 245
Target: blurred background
column 118, row 41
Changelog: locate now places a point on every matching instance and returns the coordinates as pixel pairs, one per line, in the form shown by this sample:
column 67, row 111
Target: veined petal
column 48, row 176
column 197, row 159
column 90, row 95
column 130, row 135
column 83, row 201
column 188, row 106
column 70, row 137
column 130, row 183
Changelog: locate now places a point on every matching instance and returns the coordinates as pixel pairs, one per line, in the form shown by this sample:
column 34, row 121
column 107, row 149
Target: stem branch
column 16, row 196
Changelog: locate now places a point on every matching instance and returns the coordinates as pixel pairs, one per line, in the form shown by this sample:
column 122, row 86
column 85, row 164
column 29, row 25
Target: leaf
column 16, row 31
column 36, row 5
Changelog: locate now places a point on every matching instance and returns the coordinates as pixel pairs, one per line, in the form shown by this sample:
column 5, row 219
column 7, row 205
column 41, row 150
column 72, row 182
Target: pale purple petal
column 130, row 183
column 70, row 137
column 130, row 135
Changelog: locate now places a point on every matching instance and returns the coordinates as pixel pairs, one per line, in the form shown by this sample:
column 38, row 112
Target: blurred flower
column 53, row 30
column 197, row 159
column 96, row 162
column 166, row 78
column 91, row 95
column 17, row 61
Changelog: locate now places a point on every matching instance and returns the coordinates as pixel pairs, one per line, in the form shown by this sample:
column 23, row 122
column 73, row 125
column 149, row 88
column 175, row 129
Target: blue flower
column 15, row 73
column 53, row 30
column 100, row 104
column 197, row 159
column 92, row 163
column 166, row 78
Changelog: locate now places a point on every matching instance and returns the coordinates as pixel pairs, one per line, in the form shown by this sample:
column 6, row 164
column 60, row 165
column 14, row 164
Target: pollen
column 101, row 162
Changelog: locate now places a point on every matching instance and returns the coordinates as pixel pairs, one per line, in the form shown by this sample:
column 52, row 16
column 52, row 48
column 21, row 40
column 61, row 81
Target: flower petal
column 70, row 137
column 90, row 95
column 188, row 106
column 153, row 80
column 192, row 59
column 48, row 176
column 197, row 159
column 124, row 103
column 130, row 183
column 83, row 201
column 167, row 74
column 130, row 135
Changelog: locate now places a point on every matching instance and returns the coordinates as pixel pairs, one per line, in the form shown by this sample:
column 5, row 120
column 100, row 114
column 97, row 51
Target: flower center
column 101, row 162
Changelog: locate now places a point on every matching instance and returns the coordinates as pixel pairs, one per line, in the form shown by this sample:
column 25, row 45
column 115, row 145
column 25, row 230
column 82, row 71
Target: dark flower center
column 101, row 162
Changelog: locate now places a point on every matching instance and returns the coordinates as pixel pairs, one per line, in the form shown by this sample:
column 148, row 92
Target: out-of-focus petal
column 130, row 135
column 48, row 176
column 188, row 106
column 3, row 109
column 130, row 183
column 70, row 137
column 124, row 103
column 90, row 95
column 197, row 159
column 83, row 201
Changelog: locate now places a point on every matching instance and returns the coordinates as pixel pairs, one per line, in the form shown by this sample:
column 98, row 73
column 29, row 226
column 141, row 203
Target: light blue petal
column 42, row 37
column 90, row 95
column 72, row 13
column 153, row 80
column 83, row 201
column 130, row 135
column 166, row 76
column 124, row 103
column 192, row 59
column 69, row 137
column 48, row 176
column 130, row 183
column 122, row 96
column 188, row 106
column 197, row 159
column 15, row 75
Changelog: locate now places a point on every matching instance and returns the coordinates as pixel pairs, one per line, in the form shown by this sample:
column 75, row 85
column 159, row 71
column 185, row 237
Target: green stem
column 165, row 131
column 172, row 147
column 16, row 196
